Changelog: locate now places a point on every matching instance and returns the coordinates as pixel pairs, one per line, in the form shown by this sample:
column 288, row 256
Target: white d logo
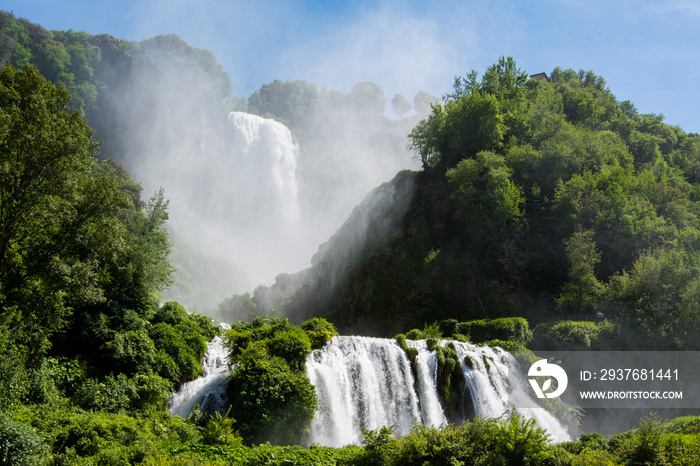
column 543, row 368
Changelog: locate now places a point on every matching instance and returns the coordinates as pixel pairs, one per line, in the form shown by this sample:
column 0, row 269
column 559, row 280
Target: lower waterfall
column 209, row 390
column 364, row 382
column 368, row 382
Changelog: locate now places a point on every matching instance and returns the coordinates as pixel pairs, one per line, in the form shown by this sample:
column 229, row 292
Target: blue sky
column 648, row 51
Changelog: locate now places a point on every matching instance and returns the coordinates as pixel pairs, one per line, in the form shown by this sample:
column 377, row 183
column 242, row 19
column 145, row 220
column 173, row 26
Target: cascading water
column 364, row 382
column 360, row 382
column 347, row 402
column 209, row 390
column 266, row 147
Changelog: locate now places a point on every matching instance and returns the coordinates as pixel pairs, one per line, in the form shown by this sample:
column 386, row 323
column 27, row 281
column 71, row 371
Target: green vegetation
column 272, row 399
column 513, row 329
column 549, row 201
column 89, row 359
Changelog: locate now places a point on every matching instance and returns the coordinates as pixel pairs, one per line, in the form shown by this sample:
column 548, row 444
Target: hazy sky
column 648, row 51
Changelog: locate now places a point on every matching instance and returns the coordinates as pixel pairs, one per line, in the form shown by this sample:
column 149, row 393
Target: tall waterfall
column 369, row 382
column 269, row 153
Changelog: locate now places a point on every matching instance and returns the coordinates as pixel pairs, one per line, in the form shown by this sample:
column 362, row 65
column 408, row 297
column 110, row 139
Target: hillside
column 543, row 199
column 548, row 200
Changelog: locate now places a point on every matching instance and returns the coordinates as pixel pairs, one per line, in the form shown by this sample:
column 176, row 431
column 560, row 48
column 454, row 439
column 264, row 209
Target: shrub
column 219, row 430
column 401, row 341
column 515, row 441
column 414, row 334
column 507, row 328
column 19, row 444
column 152, row 391
column 170, row 341
column 130, row 352
column 564, row 336
column 429, row 331
column 170, row 313
column 319, row 330
column 449, row 327
column 269, row 401
column 291, row 345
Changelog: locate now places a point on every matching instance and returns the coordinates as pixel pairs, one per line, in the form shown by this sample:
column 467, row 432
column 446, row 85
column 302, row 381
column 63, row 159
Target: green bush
column 449, row 327
column 291, row 345
column 19, row 444
column 414, row 334
column 564, row 336
column 401, row 341
column 111, row 394
column 121, row 394
column 170, row 313
column 273, row 336
column 219, row 430
column 170, row 342
column 130, row 352
column 429, row 331
column 319, row 331
column 269, row 401
column 152, row 392
column 507, row 328
column 511, row 441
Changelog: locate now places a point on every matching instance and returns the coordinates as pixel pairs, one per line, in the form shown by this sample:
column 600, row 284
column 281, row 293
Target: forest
column 537, row 205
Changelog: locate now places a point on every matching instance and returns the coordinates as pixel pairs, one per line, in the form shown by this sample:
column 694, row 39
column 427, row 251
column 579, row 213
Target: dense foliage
column 82, row 259
column 270, row 395
column 538, row 199
column 542, row 199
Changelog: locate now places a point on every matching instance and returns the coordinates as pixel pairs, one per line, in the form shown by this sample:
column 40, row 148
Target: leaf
column 546, row 385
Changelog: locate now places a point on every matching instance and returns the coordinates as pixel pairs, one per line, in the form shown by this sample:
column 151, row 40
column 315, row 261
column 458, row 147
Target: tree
column 583, row 288
column 400, row 105
column 368, row 98
column 57, row 212
column 422, row 102
column 504, row 79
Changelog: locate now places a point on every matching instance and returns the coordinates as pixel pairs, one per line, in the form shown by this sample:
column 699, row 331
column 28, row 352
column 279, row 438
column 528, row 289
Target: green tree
column 582, row 290
column 269, row 401
column 658, row 294
column 291, row 102
column 57, row 210
column 483, row 185
column 504, row 79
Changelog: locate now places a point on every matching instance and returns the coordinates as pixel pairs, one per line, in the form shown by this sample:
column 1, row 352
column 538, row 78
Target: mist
column 249, row 198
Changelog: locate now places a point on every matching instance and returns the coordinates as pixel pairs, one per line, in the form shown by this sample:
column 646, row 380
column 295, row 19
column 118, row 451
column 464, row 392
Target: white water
column 347, row 401
column 427, row 367
column 368, row 382
column 209, row 390
column 266, row 147
column 360, row 382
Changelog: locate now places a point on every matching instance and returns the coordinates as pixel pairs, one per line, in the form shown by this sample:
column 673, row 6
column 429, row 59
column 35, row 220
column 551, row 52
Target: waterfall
column 266, row 147
column 360, row 382
column 209, row 390
column 364, row 382
column 427, row 367
column 368, row 382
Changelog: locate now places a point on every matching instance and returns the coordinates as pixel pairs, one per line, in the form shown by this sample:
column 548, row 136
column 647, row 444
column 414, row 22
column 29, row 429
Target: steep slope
column 544, row 199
